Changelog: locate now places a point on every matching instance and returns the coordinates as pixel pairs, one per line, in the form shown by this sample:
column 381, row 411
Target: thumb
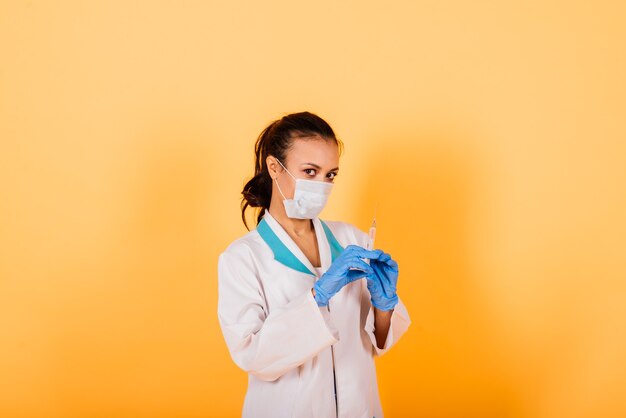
column 353, row 275
column 372, row 282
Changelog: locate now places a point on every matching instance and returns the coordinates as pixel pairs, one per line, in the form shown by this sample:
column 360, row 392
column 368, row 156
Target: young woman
column 299, row 307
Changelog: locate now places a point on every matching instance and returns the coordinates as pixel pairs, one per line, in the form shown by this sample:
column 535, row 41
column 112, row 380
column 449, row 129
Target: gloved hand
column 382, row 283
column 340, row 274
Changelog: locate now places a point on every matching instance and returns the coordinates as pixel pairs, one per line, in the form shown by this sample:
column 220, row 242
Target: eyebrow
column 319, row 168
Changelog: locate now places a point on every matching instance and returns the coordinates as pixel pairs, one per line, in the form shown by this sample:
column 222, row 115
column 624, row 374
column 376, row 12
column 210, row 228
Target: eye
column 306, row 170
column 331, row 175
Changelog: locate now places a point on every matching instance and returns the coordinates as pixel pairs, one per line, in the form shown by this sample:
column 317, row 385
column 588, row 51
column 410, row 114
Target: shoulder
column 347, row 233
column 238, row 263
column 243, row 249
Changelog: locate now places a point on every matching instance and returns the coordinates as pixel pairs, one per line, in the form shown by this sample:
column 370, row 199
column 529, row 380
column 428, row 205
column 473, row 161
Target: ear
column 272, row 166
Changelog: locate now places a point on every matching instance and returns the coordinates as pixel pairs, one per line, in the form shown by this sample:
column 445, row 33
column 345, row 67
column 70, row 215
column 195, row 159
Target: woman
column 300, row 309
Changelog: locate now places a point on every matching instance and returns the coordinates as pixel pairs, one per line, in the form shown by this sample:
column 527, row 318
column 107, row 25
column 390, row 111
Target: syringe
column 372, row 235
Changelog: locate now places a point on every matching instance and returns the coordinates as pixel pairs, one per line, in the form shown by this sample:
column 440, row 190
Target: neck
column 297, row 227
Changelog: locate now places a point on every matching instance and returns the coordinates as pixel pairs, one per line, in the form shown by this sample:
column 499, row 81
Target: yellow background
column 490, row 134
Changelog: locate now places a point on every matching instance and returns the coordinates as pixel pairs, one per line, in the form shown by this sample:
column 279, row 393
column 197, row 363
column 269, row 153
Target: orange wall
column 490, row 134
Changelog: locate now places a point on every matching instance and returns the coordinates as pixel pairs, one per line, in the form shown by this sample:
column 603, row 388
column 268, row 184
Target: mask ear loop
column 285, row 169
column 276, row 179
column 281, row 192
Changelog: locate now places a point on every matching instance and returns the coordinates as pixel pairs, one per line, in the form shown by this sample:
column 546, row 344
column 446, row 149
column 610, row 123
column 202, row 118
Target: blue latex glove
column 340, row 274
column 382, row 283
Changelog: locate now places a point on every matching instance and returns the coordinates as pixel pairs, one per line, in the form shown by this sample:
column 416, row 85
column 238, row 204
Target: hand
column 382, row 283
column 340, row 274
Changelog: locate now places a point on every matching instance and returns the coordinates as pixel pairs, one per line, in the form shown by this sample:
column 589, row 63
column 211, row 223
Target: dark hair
column 276, row 140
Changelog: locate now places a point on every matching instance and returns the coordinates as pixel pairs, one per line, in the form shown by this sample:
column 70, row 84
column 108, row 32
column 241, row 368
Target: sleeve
column 400, row 319
column 266, row 345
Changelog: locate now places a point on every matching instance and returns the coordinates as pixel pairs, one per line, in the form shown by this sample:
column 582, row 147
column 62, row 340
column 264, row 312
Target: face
column 311, row 158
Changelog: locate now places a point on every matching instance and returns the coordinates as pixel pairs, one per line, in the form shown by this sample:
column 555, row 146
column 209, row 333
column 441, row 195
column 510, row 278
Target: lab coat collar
column 287, row 252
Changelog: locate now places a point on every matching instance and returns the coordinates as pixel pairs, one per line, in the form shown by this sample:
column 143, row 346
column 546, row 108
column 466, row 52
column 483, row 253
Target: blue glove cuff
column 320, row 297
column 386, row 304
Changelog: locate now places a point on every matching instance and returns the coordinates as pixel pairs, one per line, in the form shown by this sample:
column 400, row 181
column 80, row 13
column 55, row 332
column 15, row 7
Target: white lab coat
column 289, row 346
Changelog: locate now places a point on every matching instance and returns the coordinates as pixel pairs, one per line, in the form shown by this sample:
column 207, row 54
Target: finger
column 389, row 288
column 357, row 263
column 360, row 271
column 355, row 275
column 372, row 281
column 392, row 263
column 388, row 284
column 384, row 257
column 363, row 253
column 379, row 263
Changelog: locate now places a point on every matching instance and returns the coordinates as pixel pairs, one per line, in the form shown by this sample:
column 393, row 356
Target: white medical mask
column 309, row 197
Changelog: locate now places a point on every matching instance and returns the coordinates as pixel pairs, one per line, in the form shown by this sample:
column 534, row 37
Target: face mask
column 309, row 198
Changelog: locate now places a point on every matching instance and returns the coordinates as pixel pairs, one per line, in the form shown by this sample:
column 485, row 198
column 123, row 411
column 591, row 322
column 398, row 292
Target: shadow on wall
column 425, row 187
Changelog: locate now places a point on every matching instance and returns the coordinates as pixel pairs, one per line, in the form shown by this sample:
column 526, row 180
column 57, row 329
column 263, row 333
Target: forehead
column 323, row 152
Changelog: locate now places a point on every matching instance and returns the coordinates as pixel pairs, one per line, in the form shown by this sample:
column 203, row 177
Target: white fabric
column 275, row 331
